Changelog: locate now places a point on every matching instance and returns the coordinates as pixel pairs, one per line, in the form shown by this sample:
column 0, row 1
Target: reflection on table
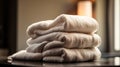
column 102, row 62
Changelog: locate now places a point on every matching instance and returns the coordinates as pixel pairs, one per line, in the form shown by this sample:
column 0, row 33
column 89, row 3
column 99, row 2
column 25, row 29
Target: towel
column 58, row 55
column 63, row 23
column 68, row 40
column 71, row 55
column 24, row 55
column 36, row 47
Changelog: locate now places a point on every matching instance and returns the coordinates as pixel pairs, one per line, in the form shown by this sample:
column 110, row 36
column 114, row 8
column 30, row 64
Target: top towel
column 63, row 23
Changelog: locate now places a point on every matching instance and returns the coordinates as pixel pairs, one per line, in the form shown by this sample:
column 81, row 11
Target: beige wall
column 30, row 11
column 101, row 18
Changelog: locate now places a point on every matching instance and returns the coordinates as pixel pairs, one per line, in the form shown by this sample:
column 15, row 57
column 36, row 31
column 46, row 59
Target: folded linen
column 64, row 22
column 58, row 55
column 71, row 55
column 36, row 48
column 69, row 40
column 39, row 48
column 24, row 55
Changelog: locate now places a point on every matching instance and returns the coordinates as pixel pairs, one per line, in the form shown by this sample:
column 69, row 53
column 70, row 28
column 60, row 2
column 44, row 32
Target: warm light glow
column 117, row 61
column 117, row 25
column 85, row 8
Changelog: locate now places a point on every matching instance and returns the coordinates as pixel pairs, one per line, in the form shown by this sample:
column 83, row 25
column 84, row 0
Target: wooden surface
column 114, row 61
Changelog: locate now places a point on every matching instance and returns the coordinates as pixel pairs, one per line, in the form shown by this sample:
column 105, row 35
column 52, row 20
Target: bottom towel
column 58, row 55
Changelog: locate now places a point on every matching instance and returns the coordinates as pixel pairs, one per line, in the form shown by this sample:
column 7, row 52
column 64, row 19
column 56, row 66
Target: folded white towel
column 71, row 55
column 58, row 55
column 70, row 40
column 64, row 22
column 36, row 48
column 39, row 48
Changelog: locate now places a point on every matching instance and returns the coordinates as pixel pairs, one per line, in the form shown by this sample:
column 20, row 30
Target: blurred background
column 17, row 15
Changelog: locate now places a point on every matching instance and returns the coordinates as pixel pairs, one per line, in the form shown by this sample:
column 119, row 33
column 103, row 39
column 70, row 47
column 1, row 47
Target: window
column 117, row 25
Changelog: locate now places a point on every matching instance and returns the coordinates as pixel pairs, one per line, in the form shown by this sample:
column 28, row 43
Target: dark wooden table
column 107, row 61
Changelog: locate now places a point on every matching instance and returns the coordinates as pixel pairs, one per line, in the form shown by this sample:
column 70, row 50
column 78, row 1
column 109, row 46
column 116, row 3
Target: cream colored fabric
column 24, row 55
column 36, row 48
column 67, row 38
column 70, row 40
column 63, row 23
column 59, row 55
column 71, row 55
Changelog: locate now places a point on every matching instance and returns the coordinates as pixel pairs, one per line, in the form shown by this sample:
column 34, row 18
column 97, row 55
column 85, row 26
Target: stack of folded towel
column 67, row 38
